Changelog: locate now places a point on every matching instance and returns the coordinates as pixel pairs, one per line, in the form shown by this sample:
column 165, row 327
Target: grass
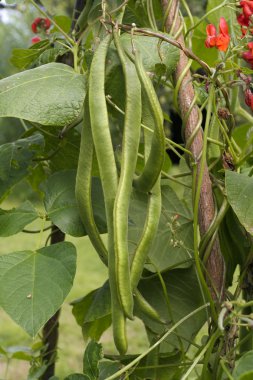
column 91, row 273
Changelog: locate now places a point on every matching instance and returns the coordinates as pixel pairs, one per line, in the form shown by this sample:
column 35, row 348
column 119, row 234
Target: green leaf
column 36, row 372
column 14, row 220
column 64, row 22
column 108, row 368
column 153, row 51
column 54, row 95
column 184, row 296
column 60, row 202
column 173, row 243
column 20, row 353
column 244, row 367
column 235, row 243
column 63, row 152
column 241, row 135
column 93, row 312
column 34, row 284
column 23, row 58
column 239, row 189
column 92, row 356
column 16, row 158
column 77, row 376
column 49, row 55
column 223, row 11
column 61, row 205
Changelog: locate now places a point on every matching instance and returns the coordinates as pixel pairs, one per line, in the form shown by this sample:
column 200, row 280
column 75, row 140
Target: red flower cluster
column 40, row 24
column 248, row 55
column 244, row 19
column 221, row 40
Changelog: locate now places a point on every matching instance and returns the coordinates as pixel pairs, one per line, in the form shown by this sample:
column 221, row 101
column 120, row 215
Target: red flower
column 249, row 98
column 247, row 7
column 35, row 39
column 220, row 41
column 242, row 20
column 211, row 36
column 248, row 55
column 40, row 24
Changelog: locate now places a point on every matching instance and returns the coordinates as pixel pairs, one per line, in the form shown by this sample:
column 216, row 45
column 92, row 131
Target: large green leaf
column 183, row 296
column 239, row 189
column 173, row 243
column 92, row 356
column 61, row 205
column 244, row 367
column 34, row 284
column 52, row 94
column 14, row 220
column 235, row 243
column 16, row 158
column 108, row 368
column 153, row 51
column 93, row 312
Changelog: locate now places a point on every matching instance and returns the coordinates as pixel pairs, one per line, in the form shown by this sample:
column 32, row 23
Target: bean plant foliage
column 97, row 96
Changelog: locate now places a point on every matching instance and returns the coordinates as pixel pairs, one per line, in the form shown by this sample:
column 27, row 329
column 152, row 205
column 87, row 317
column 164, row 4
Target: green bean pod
column 130, row 146
column 153, row 208
column 154, row 164
column 109, row 178
column 82, row 20
column 84, row 183
column 146, row 308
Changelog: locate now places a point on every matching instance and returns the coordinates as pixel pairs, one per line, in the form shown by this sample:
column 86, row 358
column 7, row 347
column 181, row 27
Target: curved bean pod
column 130, row 146
column 146, row 308
column 84, row 183
column 154, row 164
column 109, row 178
column 153, row 208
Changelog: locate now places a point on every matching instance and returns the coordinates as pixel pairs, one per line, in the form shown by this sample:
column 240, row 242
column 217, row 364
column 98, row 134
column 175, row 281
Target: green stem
column 196, row 360
column 216, row 142
column 211, row 342
column 145, row 353
column 223, row 366
column 214, row 226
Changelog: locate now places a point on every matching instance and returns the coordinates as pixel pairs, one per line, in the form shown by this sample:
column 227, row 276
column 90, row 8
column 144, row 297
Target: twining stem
column 206, row 208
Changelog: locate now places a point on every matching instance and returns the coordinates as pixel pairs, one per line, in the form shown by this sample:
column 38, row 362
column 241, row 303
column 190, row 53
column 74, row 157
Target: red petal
column 35, row 39
column 242, row 20
column 222, row 42
column 47, row 23
column 223, row 27
column 211, row 30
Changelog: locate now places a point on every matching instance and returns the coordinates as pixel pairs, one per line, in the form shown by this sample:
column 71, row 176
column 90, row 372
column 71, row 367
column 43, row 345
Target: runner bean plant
column 96, row 96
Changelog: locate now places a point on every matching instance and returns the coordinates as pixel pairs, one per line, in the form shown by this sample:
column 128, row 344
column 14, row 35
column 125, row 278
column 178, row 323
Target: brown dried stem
column 215, row 263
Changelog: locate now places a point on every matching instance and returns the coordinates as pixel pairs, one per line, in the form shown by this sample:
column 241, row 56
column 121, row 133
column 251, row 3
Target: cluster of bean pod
column 141, row 107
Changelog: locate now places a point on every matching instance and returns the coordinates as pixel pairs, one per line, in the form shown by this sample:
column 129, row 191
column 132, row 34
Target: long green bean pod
column 130, row 146
column 84, row 183
column 153, row 207
column 82, row 20
column 154, row 164
column 109, row 178
column 145, row 307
